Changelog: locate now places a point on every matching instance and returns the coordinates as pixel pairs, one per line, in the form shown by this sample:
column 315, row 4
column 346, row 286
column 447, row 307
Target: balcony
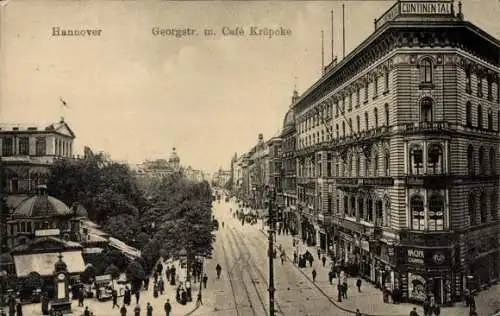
column 364, row 182
column 426, row 127
column 428, row 238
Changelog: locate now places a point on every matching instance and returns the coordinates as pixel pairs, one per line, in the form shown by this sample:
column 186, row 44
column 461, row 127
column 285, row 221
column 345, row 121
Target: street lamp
column 271, row 198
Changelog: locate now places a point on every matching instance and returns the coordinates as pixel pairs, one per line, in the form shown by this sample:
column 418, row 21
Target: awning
column 127, row 250
column 43, row 263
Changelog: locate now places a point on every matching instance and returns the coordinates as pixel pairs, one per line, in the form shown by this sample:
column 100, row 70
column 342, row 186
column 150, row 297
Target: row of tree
column 174, row 214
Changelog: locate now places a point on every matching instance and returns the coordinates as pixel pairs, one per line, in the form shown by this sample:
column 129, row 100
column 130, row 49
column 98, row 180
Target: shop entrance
column 437, row 290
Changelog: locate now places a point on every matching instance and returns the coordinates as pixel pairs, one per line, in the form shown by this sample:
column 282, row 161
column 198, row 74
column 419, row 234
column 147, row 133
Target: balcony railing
column 438, row 126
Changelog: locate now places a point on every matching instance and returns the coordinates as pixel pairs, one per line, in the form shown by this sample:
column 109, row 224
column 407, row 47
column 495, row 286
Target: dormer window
column 426, row 71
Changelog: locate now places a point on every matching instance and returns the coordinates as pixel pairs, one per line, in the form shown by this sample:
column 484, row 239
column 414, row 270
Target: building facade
column 397, row 154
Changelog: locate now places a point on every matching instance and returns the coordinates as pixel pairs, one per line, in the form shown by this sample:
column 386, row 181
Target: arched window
column 387, row 163
column 358, row 165
column 468, row 114
column 337, row 130
column 493, row 164
column 358, row 124
column 494, row 205
column 417, row 215
column 350, row 126
column 375, row 117
column 366, row 121
column 479, row 116
column 470, row 160
column 375, row 163
column 482, row 165
column 490, row 120
column 416, row 159
column 349, row 166
column 426, row 110
column 343, row 129
column 435, row 164
column 367, row 166
column 472, row 208
column 426, row 70
column 483, row 207
column 386, row 110
column 436, row 213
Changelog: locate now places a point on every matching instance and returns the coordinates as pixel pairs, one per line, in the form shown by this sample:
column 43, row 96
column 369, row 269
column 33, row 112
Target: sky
column 136, row 96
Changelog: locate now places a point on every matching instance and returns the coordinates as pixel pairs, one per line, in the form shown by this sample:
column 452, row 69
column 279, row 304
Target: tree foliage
column 135, row 272
column 113, row 271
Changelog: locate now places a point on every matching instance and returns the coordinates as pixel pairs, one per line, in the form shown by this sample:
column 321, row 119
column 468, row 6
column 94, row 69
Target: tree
column 116, row 258
column 88, row 274
column 135, row 274
column 113, row 271
column 33, row 281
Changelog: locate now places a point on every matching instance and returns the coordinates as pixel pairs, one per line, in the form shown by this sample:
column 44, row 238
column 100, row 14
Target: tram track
column 261, row 275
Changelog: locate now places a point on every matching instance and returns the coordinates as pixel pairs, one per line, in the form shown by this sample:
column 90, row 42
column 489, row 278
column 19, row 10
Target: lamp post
column 271, row 195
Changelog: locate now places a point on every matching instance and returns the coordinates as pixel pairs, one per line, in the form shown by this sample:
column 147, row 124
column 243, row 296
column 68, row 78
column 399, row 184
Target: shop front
column 308, row 231
column 426, row 271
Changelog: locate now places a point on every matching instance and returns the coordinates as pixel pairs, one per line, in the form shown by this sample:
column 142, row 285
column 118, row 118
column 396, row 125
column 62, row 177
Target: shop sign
column 423, row 256
column 47, row 232
column 412, row 8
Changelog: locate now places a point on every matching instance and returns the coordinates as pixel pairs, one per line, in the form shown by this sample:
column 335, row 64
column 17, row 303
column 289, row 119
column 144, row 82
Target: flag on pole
column 63, row 102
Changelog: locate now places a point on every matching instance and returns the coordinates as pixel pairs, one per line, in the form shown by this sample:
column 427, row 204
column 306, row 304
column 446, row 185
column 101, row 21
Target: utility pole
column 271, row 195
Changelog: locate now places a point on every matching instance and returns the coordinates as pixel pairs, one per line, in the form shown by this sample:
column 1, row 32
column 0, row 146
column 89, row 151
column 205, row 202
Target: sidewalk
column 369, row 300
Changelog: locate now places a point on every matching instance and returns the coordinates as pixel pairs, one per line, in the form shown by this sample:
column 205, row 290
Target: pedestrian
column 414, row 312
column 137, row 310
column 114, row 296
column 19, row 309
column 123, row 310
column 358, row 313
column 295, row 257
column 137, row 296
column 86, row 312
column 311, row 259
column 161, row 286
column 344, row 287
column 205, row 279
column 159, row 268
column 155, row 276
column 167, row 307
column 198, row 300
column 149, row 309
column 155, row 290
column 323, row 259
column 427, row 307
column 146, row 283
column 81, row 297
column 319, row 253
column 314, row 275
column 330, row 276
column 167, row 273
column 358, row 284
column 282, row 257
column 218, row 268
column 126, row 296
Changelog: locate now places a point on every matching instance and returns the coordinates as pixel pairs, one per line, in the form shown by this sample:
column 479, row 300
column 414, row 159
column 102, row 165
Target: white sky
column 136, row 96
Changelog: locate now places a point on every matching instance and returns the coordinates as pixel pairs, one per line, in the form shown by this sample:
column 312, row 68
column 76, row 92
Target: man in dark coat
column 127, row 296
column 114, row 296
column 168, row 308
column 314, row 273
column 123, row 310
column 19, row 309
column 339, row 292
column 205, row 280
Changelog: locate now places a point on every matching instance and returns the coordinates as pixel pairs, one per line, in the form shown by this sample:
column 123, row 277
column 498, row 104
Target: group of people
column 15, row 307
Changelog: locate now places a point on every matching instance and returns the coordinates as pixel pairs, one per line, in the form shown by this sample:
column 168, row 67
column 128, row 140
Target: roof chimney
column 295, row 97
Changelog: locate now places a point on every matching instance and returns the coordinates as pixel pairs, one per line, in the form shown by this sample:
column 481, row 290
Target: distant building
column 221, row 177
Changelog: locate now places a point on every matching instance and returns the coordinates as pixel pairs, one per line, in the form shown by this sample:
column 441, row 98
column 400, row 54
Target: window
column 426, row 110
column 468, row 81
column 375, row 86
column 479, row 116
column 490, row 120
column 375, row 117
column 358, row 124
column 417, row 213
column 24, row 146
column 40, row 146
column 479, row 86
column 435, row 163
column 493, row 164
column 386, row 81
column 349, row 167
column 366, row 120
column 343, row 129
column 498, row 121
column 386, row 110
column 346, row 205
column 494, row 205
column 379, row 213
column 468, row 114
column 350, row 102
column 337, row 130
column 350, row 126
column 436, row 213
column 387, row 211
column 361, row 208
column 375, row 164
column 470, row 160
column 426, row 71
column 357, row 96
column 366, row 91
column 483, row 208
column 7, row 147
column 358, row 165
column 387, row 163
column 482, row 167
column 490, row 90
column 352, row 207
column 369, row 211
column 367, row 166
column 472, row 209
column 336, row 108
column 416, row 159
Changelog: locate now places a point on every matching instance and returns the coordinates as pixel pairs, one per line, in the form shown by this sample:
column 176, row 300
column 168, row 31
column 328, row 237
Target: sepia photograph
column 249, row 158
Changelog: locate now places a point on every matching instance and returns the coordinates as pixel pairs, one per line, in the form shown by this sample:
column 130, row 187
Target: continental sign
column 409, row 8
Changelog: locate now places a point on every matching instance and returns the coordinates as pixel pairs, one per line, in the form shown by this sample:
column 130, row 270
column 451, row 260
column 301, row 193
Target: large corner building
column 397, row 154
